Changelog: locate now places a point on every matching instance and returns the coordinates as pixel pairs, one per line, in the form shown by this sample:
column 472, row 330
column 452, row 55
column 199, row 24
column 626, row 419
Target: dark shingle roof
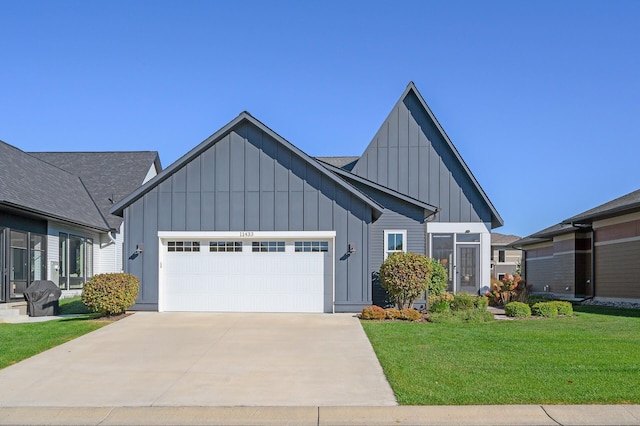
column 345, row 163
column 624, row 204
column 109, row 176
column 28, row 183
column 546, row 234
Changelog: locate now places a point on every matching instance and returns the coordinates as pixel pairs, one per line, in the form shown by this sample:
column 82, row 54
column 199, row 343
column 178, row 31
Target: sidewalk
column 516, row 415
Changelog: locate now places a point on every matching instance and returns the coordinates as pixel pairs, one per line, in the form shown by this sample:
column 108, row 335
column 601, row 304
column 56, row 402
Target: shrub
column 405, row 276
column 517, row 310
column 462, row 302
column 481, row 302
column 544, row 309
column 506, row 290
column 456, row 317
column 441, row 303
column 110, row 294
column 411, row 314
column 439, row 276
column 564, row 308
column 393, row 313
column 373, row 312
column 532, row 300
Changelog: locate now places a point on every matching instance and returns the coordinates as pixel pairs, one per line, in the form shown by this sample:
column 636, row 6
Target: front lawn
column 21, row 341
column 591, row 358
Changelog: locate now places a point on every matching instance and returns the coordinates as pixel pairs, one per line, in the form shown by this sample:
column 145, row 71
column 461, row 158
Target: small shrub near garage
column 517, row 310
column 110, row 294
column 406, row 277
column 544, row 309
column 373, row 312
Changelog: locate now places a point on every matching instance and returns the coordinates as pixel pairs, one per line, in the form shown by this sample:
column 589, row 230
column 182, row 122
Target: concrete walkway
column 205, row 359
column 516, row 415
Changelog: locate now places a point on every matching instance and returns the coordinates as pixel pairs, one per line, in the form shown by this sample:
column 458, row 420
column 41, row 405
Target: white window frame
column 388, row 232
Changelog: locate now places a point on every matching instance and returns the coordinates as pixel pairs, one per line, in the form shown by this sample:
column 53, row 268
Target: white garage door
column 244, row 275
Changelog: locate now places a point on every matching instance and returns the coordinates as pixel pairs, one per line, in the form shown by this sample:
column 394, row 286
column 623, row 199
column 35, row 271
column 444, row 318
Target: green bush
column 110, row 294
column 405, row 276
column 481, row 302
column 373, row 312
column 393, row 313
column 439, row 276
column 457, row 317
column 532, row 300
column 517, row 310
column 544, row 309
column 411, row 314
column 462, row 302
column 441, row 303
column 564, row 308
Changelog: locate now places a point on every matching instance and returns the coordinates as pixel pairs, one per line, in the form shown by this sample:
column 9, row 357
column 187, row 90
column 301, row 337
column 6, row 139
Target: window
column 223, row 246
column 267, row 246
column 183, row 246
column 501, row 256
column 27, row 260
column 501, row 276
column 311, row 246
column 468, row 238
column 75, row 261
column 394, row 242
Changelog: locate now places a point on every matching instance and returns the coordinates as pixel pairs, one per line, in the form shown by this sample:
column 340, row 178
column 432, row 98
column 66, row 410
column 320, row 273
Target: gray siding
column 248, row 181
column 398, row 215
column 618, row 270
column 410, row 155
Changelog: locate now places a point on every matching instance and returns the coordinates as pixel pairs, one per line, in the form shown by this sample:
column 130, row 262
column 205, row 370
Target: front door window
column 18, row 264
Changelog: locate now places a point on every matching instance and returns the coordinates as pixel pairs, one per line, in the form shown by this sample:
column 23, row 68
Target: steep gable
column 412, row 154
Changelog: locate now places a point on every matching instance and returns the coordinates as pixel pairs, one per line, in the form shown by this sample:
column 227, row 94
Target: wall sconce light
column 139, row 248
column 351, row 248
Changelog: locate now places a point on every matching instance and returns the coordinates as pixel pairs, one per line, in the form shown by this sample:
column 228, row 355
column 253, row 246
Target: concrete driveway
column 206, row 359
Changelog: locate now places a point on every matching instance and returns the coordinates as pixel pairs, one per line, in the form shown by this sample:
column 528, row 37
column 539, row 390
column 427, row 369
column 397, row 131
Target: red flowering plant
column 505, row 290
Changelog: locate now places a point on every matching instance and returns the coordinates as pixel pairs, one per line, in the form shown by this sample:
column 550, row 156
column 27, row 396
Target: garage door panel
column 244, row 281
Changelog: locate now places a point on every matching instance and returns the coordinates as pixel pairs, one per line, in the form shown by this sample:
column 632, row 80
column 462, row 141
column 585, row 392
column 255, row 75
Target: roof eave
column 49, row 216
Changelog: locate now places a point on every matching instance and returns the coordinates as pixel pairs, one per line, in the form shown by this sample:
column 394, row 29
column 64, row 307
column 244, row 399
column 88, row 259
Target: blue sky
column 541, row 98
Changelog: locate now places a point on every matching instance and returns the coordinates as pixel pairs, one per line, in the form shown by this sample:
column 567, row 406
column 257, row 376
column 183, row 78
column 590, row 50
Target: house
column 595, row 254
column 504, row 259
column 246, row 221
column 54, row 215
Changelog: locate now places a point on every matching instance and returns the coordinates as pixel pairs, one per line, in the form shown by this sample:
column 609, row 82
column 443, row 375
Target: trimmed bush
column 110, row 294
column 517, row 310
column 373, row 312
column 441, row 303
column 405, row 276
column 564, row 308
column 457, row 317
column 393, row 313
column 462, row 302
column 481, row 302
column 544, row 309
column 439, row 276
column 411, row 314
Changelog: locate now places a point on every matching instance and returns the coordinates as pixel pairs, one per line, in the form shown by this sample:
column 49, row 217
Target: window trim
column 386, row 234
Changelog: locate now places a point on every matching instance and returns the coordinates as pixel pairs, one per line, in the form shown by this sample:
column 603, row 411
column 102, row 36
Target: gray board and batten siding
column 247, row 178
column 412, row 154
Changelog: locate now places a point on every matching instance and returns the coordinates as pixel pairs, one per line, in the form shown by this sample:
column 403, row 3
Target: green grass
column 21, row 341
column 591, row 358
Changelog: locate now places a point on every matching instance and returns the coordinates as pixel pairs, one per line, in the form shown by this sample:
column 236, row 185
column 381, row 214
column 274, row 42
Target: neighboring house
column 54, row 215
column 504, row 259
column 246, row 221
column 595, row 254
